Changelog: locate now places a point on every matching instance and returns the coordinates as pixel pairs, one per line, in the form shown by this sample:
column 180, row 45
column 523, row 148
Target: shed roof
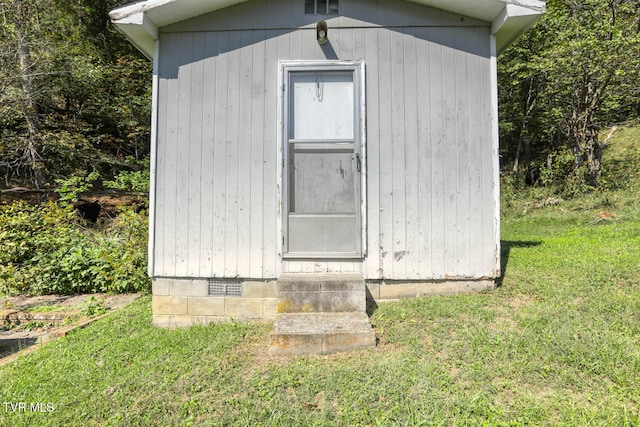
column 140, row 21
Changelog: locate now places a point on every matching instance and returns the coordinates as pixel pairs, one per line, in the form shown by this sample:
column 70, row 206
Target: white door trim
column 284, row 67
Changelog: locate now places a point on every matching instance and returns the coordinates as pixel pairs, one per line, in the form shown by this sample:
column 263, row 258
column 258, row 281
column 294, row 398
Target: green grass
column 558, row 343
column 622, row 158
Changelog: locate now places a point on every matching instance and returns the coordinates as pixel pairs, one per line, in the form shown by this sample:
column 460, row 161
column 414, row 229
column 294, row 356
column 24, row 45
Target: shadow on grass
column 506, row 246
column 372, row 306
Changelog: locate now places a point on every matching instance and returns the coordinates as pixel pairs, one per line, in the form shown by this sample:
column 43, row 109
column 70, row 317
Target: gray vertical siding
column 430, row 167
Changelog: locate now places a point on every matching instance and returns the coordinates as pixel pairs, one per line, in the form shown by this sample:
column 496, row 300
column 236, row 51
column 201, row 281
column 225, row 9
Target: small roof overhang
column 140, row 21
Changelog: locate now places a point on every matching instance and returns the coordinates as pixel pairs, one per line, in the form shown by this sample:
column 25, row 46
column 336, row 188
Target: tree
column 522, row 123
column 19, row 18
column 580, row 72
column 76, row 95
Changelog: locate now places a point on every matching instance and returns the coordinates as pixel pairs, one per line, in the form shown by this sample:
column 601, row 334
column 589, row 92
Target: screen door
column 322, row 163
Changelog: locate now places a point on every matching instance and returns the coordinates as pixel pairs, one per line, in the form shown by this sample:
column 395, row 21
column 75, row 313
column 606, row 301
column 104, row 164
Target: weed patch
column 45, row 249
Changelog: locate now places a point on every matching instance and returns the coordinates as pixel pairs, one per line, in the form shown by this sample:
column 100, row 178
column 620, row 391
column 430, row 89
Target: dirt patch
column 29, row 320
column 25, row 302
column 518, row 302
column 111, row 202
column 111, row 205
column 504, row 324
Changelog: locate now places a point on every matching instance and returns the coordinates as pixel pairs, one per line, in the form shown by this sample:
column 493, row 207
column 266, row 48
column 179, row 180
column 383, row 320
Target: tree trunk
column 592, row 147
column 31, row 154
column 575, row 141
column 530, row 105
column 594, row 157
column 516, row 161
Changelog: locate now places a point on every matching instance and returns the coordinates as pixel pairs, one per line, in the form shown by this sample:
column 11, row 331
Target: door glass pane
column 323, row 105
column 322, row 181
column 333, row 7
column 322, row 7
column 310, row 7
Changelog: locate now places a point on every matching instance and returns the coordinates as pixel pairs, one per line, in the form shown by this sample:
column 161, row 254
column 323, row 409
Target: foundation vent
column 225, row 288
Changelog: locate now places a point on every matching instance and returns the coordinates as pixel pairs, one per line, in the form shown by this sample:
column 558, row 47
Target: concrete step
column 315, row 333
column 321, row 293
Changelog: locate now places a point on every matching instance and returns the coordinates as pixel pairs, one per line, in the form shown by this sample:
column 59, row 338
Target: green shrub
column 566, row 180
column 560, row 180
column 137, row 180
column 44, row 249
column 127, row 241
column 69, row 189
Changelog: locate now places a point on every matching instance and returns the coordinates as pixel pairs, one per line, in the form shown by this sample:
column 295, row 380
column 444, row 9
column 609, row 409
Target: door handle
column 358, row 163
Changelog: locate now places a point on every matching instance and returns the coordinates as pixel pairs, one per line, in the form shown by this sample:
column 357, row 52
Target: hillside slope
column 621, row 158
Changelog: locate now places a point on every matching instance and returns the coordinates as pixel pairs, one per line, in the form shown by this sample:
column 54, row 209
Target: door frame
column 284, row 68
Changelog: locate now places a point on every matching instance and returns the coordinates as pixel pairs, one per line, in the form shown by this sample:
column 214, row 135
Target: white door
column 322, row 162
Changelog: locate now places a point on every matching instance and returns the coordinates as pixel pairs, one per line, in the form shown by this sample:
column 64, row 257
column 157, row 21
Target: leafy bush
column 567, row 180
column 559, row 180
column 44, row 249
column 70, row 188
column 510, row 189
column 137, row 180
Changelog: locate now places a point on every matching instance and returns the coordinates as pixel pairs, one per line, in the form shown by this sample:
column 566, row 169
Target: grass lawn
column 558, row 343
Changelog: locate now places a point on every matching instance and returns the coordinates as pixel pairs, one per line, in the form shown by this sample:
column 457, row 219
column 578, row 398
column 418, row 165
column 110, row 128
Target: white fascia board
column 127, row 13
column 139, row 37
column 137, row 27
column 484, row 10
column 167, row 12
column 508, row 18
column 139, row 22
column 514, row 19
column 132, row 10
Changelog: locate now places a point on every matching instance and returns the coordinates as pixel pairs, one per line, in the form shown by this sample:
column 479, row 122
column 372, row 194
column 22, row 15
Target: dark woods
column 74, row 95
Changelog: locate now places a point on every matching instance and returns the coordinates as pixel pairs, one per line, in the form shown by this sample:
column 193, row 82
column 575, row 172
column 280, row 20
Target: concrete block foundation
column 181, row 303
column 394, row 290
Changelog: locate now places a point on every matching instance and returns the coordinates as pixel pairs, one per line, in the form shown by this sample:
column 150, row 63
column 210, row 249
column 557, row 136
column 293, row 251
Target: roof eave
column 513, row 21
column 137, row 27
column 139, row 22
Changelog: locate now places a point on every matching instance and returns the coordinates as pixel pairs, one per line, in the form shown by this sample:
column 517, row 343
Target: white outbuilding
column 321, row 137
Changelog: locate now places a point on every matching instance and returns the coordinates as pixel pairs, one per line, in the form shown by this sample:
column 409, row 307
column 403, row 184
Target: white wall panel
column 384, row 79
column 208, row 181
column 257, row 207
column 435, row 163
column 412, row 159
column 372, row 192
column 194, row 172
column 219, row 193
column 430, row 167
column 271, row 225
